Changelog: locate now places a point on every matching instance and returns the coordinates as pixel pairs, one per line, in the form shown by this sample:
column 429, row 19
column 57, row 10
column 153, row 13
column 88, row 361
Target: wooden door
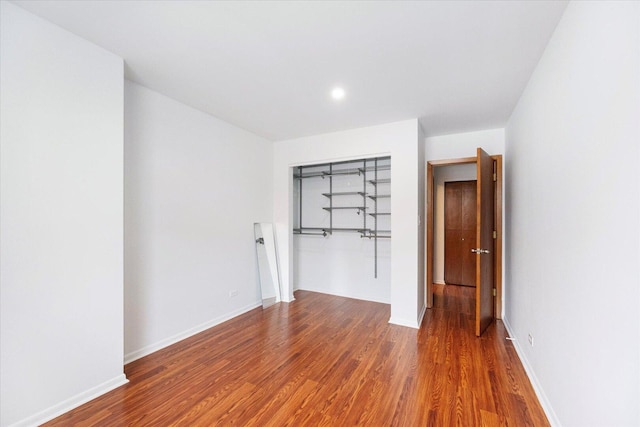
column 460, row 232
column 484, row 250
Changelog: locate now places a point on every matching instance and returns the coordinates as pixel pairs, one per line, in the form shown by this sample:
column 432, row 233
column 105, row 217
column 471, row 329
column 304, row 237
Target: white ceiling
column 268, row 67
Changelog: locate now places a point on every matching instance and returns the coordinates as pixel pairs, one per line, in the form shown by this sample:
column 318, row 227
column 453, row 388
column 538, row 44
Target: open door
column 484, row 239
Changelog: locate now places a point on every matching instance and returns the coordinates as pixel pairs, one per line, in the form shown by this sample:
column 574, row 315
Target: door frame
column 430, row 207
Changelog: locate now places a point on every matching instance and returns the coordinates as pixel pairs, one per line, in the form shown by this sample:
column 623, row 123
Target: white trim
column 71, row 403
column 404, row 322
column 137, row 354
column 268, row 302
column 537, row 387
column 291, row 299
column 421, row 316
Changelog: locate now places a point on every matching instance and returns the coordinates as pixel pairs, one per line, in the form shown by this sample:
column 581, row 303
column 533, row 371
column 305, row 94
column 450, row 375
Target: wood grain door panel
column 460, row 233
column 452, row 257
column 484, row 237
column 468, row 258
column 452, row 206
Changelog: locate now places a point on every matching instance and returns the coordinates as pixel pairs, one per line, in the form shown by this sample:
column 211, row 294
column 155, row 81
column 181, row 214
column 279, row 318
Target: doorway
column 494, row 302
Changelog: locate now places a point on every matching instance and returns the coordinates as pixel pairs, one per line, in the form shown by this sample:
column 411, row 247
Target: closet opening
column 342, row 228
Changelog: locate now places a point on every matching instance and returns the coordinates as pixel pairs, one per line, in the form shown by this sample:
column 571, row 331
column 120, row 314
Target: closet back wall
column 194, row 186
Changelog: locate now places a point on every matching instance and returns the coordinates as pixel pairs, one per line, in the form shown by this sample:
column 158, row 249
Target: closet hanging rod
column 360, row 208
column 344, row 172
column 380, row 168
column 330, row 230
column 302, row 233
column 323, row 174
column 359, row 230
column 309, row 175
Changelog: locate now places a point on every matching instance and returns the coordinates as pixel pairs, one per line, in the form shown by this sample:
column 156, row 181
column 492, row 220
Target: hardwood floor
column 331, row 361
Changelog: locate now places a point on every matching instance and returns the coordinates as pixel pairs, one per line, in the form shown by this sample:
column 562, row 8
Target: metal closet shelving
column 342, row 202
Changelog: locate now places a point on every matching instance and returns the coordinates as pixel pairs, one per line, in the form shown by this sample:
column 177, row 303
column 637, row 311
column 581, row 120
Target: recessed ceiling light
column 337, row 93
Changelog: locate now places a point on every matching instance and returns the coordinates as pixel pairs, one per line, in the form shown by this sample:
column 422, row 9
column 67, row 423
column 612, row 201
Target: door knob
column 480, row 251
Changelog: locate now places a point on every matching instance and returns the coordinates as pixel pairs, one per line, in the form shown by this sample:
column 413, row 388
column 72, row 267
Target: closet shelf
column 343, row 172
column 345, row 193
column 359, row 208
column 325, row 174
column 379, row 196
column 322, row 231
column 380, row 181
column 373, row 168
column 309, row 175
column 380, row 234
column 366, row 232
column 365, row 198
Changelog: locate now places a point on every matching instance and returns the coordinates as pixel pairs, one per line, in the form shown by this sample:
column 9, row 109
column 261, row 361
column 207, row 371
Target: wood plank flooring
column 327, row 361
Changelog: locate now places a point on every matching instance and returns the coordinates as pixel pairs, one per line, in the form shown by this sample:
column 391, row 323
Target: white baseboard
column 537, row 388
column 71, row 403
column 404, row 322
column 267, row 302
column 137, row 354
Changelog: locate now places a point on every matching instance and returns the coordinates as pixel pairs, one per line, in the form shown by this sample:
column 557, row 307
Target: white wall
column 457, row 146
column 194, row 187
column 61, row 219
column 400, row 140
column 572, row 218
column 461, row 145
